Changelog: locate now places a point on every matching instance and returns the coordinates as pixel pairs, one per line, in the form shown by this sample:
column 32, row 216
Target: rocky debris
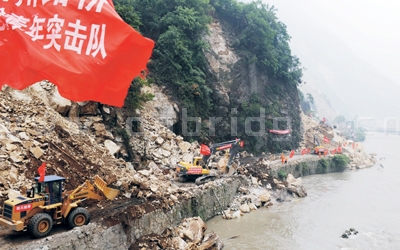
column 159, row 144
column 349, row 232
column 358, row 157
column 189, row 234
column 260, row 192
column 79, row 148
column 161, row 107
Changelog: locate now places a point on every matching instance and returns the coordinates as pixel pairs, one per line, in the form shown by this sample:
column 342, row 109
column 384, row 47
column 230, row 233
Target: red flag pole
column 42, row 172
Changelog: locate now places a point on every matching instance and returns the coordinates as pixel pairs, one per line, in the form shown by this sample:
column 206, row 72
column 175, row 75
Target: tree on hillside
column 339, row 119
column 261, row 38
column 310, row 98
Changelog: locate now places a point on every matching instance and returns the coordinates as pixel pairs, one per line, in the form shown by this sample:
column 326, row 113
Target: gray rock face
column 161, row 107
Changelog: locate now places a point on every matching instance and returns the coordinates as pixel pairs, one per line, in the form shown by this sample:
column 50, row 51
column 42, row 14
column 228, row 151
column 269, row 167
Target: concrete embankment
column 308, row 166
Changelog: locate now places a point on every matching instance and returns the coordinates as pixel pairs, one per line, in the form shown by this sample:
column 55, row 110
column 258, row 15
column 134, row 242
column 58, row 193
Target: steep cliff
column 245, row 95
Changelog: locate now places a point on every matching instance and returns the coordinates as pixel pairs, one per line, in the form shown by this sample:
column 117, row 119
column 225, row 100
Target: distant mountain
column 353, row 86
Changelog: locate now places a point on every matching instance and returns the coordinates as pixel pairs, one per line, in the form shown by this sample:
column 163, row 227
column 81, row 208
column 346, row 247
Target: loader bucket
column 110, row 193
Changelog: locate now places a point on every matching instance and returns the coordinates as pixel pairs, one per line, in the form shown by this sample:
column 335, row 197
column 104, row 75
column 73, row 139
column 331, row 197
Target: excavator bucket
column 110, row 193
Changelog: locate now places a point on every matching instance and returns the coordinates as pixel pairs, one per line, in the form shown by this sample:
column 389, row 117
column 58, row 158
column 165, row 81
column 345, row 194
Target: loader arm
column 96, row 191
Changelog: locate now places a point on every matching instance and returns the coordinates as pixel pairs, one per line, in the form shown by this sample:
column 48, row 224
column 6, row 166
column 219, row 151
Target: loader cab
column 51, row 188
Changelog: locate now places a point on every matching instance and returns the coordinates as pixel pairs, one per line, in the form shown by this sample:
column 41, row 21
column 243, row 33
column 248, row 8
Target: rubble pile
column 158, row 144
column 32, row 133
column 189, row 234
column 358, row 157
column 261, row 189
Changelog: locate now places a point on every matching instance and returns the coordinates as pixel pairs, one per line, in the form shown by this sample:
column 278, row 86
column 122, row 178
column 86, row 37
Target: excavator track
column 204, row 179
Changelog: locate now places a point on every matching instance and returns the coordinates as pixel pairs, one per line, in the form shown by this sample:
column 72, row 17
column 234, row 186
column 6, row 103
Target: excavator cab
column 51, row 188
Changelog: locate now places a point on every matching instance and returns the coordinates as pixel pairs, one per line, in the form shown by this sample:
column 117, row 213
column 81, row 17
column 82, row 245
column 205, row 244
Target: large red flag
column 82, row 46
column 42, row 172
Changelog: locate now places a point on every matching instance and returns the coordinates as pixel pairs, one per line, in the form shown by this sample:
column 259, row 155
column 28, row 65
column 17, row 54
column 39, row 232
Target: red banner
column 23, row 207
column 82, row 46
column 194, row 171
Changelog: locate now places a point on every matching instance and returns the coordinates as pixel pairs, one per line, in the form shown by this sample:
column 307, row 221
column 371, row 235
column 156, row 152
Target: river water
column 366, row 200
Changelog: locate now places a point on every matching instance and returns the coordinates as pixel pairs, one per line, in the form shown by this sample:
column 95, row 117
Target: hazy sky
column 371, row 28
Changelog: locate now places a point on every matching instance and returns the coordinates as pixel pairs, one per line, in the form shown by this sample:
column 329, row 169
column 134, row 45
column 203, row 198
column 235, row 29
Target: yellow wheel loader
column 46, row 204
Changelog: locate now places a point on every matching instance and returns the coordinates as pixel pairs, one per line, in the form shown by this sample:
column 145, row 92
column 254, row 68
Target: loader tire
column 40, row 225
column 78, row 217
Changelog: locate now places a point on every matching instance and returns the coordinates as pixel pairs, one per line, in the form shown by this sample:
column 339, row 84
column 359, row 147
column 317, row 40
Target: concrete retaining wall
column 308, row 167
column 123, row 235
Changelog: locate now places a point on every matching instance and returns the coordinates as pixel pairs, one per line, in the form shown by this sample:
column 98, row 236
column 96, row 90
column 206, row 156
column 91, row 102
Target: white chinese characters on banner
column 76, row 34
column 54, row 26
column 88, row 7
column 24, row 207
column 98, row 3
column 16, row 22
column 37, row 26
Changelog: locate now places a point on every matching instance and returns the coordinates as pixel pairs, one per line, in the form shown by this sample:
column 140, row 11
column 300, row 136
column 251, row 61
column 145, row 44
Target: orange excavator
column 199, row 169
column 46, row 204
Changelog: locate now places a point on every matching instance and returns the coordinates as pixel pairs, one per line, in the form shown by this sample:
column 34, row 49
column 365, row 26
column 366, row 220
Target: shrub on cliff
column 339, row 162
column 282, row 174
column 322, row 166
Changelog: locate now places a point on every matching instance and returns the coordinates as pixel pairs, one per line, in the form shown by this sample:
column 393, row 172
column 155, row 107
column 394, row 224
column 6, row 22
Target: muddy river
column 366, row 200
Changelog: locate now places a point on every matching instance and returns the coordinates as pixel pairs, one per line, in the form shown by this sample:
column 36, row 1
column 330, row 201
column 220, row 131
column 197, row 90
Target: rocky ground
column 79, row 141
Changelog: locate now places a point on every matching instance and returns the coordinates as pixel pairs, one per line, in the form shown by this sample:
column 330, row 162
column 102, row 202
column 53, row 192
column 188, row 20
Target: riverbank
column 360, row 199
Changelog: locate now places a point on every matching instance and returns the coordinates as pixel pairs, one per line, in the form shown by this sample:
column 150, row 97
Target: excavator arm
column 233, row 146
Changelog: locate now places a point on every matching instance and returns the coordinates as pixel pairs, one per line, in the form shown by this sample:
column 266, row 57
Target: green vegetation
column 322, row 166
column 135, row 99
column 304, row 169
column 310, row 98
column 359, row 134
column 282, row 174
column 339, row 162
column 339, row 119
column 304, row 104
column 178, row 61
column 261, row 38
column 126, row 139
